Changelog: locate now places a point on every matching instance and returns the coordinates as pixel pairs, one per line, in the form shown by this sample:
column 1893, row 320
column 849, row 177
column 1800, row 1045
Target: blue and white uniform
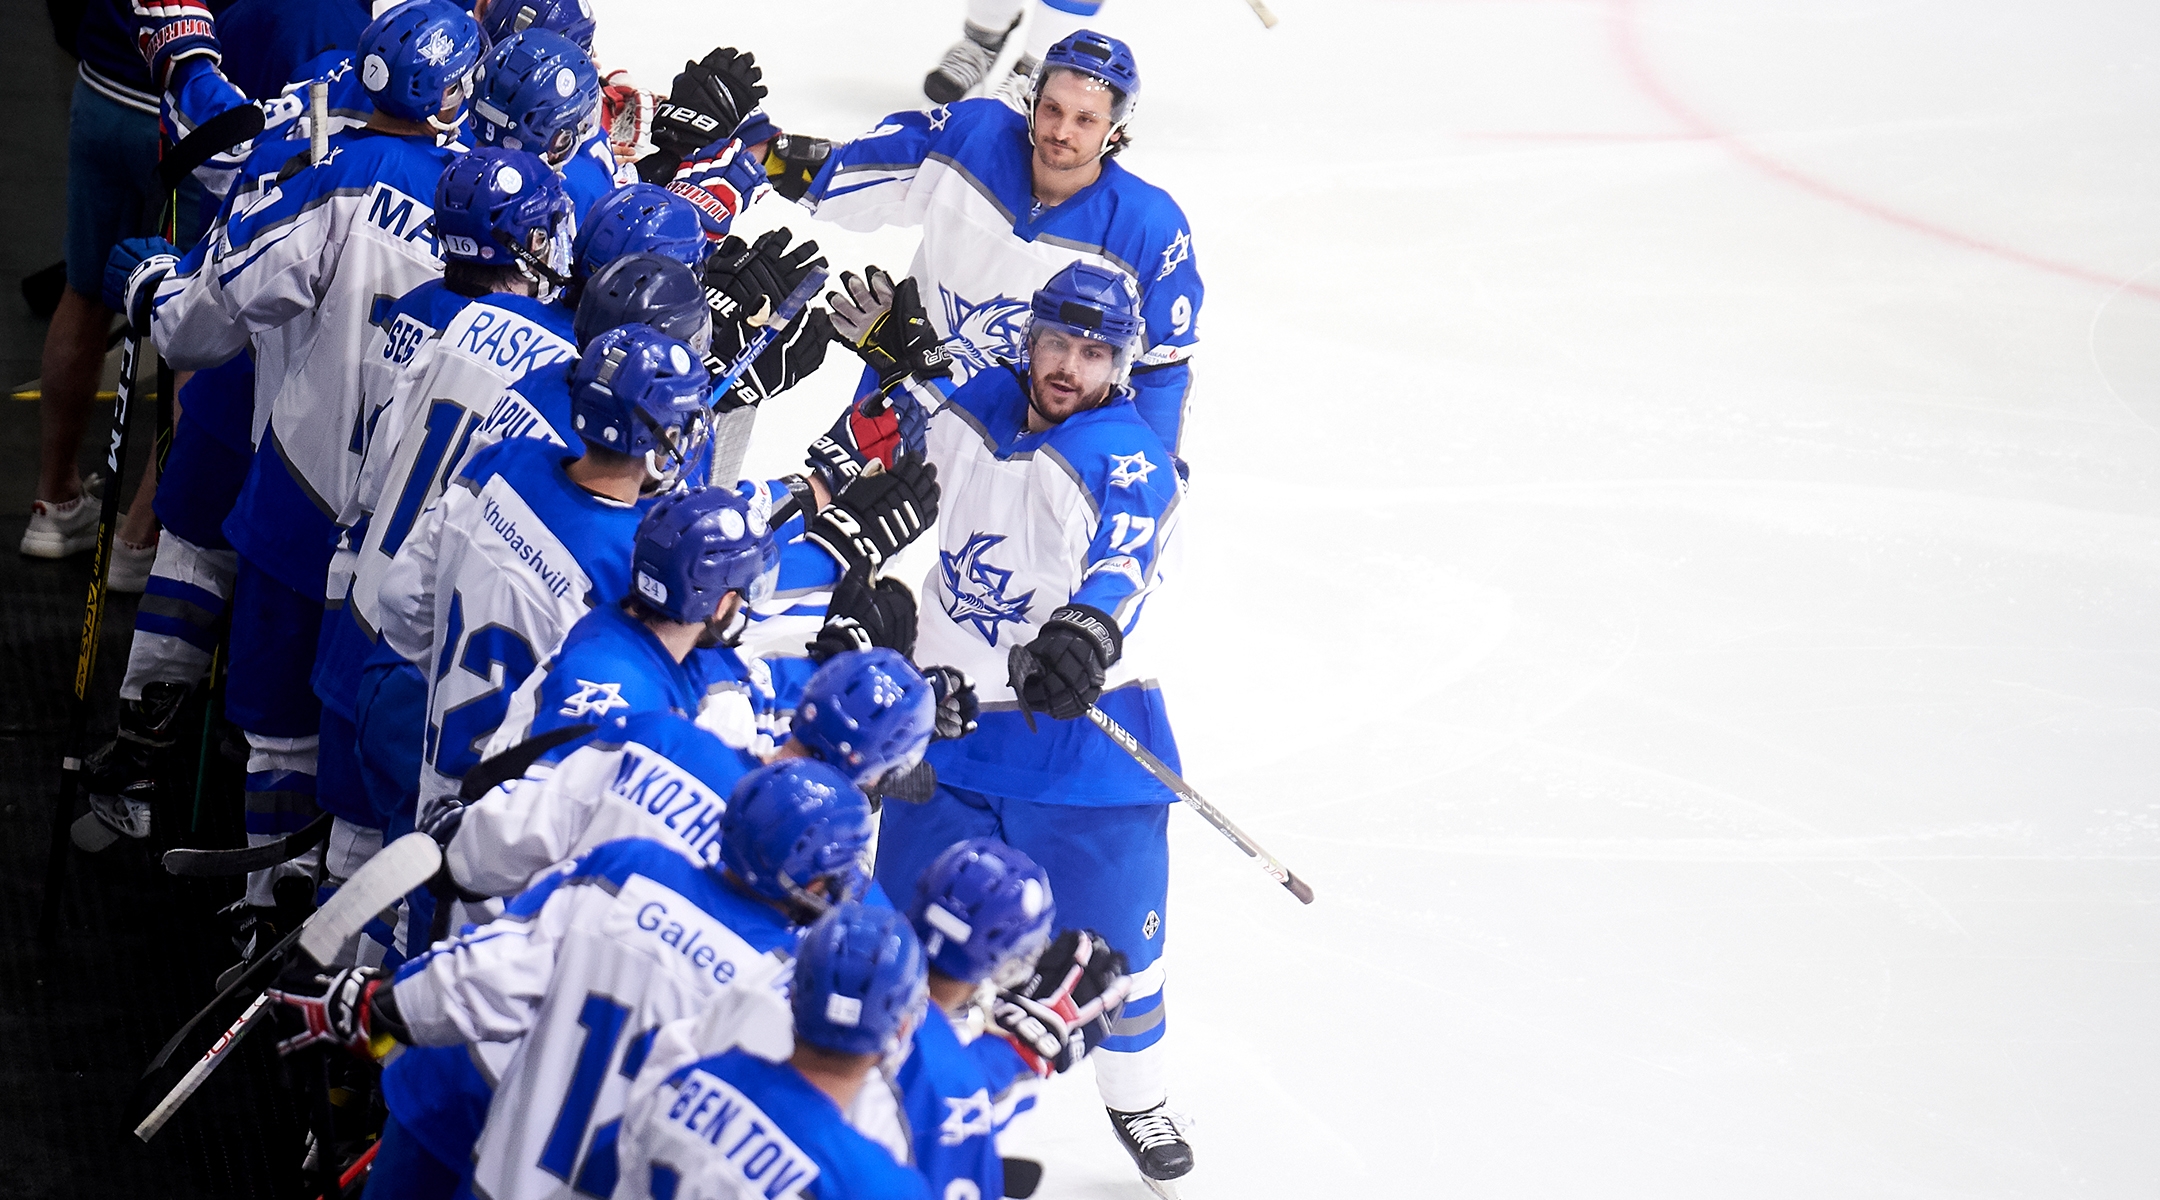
column 735, row 1125
column 1084, row 513
column 957, row 1097
column 579, row 972
column 510, row 558
column 962, row 172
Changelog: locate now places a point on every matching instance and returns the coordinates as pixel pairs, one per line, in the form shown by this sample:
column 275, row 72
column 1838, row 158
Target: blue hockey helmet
column 645, row 218
column 489, row 203
column 571, row 18
column 983, row 910
column 696, row 546
column 867, row 712
column 645, row 289
column 413, row 55
column 1093, row 303
column 860, row 986
column 793, row 823
column 537, row 91
column 634, row 391
column 1099, row 57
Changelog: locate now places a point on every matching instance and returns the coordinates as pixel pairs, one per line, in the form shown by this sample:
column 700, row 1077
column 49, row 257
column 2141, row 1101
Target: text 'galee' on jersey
column 585, row 967
column 1084, row 513
column 963, row 173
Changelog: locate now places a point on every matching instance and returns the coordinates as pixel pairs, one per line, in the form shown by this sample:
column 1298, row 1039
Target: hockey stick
column 190, row 1082
column 491, row 773
column 1260, row 10
column 1021, row 666
column 398, row 868
column 240, row 860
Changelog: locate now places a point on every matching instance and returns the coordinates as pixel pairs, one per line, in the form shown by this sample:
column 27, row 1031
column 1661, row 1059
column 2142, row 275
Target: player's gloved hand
column 743, row 280
column 346, row 1009
column 627, row 110
column 172, row 31
column 887, row 327
column 724, row 86
column 792, row 163
column 957, row 707
column 873, row 518
column 877, row 430
column 442, row 824
column 863, row 614
column 132, row 273
column 1065, row 1008
column 1061, row 671
column 721, row 180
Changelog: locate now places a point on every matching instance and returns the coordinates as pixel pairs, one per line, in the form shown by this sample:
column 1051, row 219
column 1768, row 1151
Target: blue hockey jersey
column 1084, row 513
column 963, row 173
column 734, row 1126
column 957, row 1098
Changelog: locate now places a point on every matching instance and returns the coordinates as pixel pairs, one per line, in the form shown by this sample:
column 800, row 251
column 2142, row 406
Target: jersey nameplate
column 750, row 1142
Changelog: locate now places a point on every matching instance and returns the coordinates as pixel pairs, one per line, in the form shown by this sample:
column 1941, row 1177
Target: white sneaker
column 59, row 530
column 129, row 571
column 1017, row 88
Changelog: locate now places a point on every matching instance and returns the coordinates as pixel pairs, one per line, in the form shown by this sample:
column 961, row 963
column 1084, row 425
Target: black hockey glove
column 745, row 279
column 708, row 100
column 1065, row 1008
column 862, row 614
column 347, row 1009
column 792, row 163
column 957, row 707
column 887, row 327
column 912, row 784
column 873, row 518
column 1061, row 671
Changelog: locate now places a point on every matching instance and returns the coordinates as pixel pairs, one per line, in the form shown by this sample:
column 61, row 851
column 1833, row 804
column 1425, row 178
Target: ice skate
column 965, row 64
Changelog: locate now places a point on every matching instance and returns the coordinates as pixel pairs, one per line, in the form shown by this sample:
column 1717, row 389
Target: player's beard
column 1087, row 399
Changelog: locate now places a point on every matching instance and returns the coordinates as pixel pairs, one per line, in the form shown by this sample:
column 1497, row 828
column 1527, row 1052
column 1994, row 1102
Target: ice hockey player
column 1048, row 174
column 527, row 539
column 296, row 274
column 1056, row 444
column 573, row 979
column 630, row 220
column 538, row 91
column 742, row 1123
column 989, row 24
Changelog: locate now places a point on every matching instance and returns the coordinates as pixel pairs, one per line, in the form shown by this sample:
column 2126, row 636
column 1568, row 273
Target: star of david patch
column 978, row 588
column 938, row 117
column 596, row 698
column 436, row 50
column 1129, row 469
column 1179, row 249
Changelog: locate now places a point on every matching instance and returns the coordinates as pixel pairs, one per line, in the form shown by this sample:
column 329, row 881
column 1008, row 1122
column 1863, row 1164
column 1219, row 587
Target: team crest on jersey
column 600, row 699
column 965, row 1118
column 981, row 334
column 436, row 50
column 1129, row 469
column 978, row 589
column 1179, row 249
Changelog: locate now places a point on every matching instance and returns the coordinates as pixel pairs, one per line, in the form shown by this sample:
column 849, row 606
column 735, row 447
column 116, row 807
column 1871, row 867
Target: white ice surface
column 1674, row 559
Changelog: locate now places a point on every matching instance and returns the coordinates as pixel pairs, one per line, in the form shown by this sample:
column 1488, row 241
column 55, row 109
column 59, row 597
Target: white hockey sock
column 280, row 797
column 1131, row 1066
column 1051, row 23
column 176, row 620
column 994, row 14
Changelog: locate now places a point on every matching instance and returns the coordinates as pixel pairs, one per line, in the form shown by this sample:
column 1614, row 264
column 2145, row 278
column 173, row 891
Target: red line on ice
column 1629, row 47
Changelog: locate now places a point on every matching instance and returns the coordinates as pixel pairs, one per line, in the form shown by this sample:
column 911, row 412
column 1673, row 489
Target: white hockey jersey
column 297, row 270
column 582, row 970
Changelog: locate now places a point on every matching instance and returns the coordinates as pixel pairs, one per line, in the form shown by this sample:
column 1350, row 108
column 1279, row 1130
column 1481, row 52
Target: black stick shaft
column 1208, row 812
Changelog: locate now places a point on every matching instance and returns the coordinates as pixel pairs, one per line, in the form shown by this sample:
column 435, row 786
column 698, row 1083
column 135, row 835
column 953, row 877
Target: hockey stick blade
column 193, row 1080
column 240, row 860
column 208, row 140
column 1208, row 812
column 395, row 870
column 511, row 764
column 251, row 979
column 797, row 299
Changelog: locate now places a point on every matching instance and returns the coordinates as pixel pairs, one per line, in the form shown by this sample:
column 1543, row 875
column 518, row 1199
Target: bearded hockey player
column 572, row 980
column 972, row 171
column 295, row 276
column 1060, row 511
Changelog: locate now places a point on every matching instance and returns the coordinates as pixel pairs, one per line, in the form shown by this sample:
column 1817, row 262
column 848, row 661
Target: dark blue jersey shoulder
column 265, row 41
column 597, row 532
column 950, row 1106
column 848, row 1164
column 610, row 666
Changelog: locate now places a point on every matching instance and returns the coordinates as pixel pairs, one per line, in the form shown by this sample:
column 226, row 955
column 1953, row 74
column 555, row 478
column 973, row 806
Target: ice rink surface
column 1673, row 558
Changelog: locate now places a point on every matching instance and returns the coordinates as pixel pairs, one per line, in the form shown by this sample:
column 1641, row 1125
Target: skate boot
column 1018, row 86
column 121, row 776
column 1156, row 1144
column 966, row 63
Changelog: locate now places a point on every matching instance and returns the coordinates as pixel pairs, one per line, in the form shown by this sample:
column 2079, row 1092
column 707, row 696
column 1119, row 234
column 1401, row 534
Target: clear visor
column 1094, row 94
column 1061, row 356
column 1020, row 964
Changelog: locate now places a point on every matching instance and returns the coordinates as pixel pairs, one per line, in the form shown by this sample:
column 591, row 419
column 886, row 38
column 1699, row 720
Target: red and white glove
column 336, row 1008
column 1065, row 1009
column 722, row 181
